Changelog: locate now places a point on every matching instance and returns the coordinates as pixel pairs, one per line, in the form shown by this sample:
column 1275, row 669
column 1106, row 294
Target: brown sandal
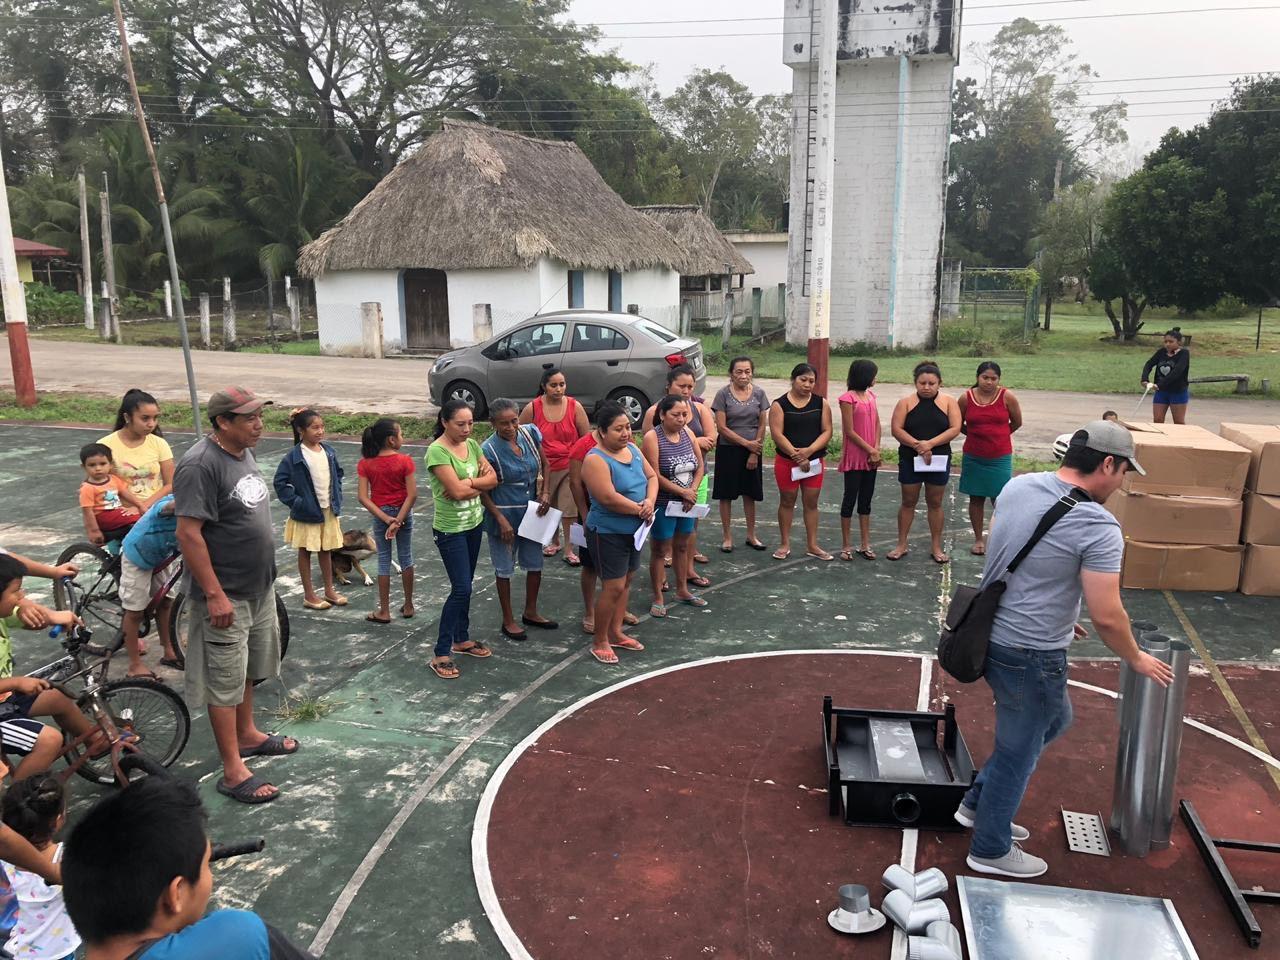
column 445, row 669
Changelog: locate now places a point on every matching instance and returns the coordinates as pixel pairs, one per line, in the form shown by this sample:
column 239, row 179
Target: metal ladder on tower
column 811, row 140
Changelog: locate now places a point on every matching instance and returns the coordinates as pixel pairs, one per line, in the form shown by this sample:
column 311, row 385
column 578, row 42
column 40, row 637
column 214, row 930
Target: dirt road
column 399, row 386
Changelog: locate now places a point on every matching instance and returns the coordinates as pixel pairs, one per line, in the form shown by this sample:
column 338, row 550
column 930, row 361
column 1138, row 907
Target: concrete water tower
column 890, row 107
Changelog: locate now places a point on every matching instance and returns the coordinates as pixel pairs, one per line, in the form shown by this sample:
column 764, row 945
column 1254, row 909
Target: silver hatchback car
column 604, row 356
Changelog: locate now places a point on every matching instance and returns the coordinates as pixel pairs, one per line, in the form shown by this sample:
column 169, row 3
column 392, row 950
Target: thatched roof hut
column 703, row 248
column 473, row 197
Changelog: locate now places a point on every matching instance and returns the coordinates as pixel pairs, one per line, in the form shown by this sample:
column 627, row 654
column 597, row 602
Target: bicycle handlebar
column 222, row 851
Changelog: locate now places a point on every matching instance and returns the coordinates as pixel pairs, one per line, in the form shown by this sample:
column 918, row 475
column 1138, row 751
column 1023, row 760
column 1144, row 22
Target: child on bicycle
column 388, row 489
column 309, row 482
column 36, row 808
column 143, row 569
column 154, row 834
column 20, row 697
column 107, row 503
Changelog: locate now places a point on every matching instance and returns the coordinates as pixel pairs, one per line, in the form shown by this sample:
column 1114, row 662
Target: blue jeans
column 459, row 552
column 1032, row 710
column 404, row 541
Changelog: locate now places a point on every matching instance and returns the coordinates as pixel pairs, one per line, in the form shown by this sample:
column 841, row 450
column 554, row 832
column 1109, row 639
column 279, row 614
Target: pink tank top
column 864, row 425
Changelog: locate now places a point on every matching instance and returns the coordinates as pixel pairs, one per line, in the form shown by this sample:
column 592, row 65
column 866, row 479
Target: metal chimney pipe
column 1170, row 745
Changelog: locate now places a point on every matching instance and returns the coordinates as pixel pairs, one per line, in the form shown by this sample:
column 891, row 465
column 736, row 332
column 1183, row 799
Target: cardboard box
column 1261, row 574
column 1156, row 518
column 1177, row 566
column 1261, row 520
column 1186, row 461
column 1263, row 443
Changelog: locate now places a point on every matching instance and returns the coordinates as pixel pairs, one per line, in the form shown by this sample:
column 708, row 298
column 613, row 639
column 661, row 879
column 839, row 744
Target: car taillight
column 675, row 359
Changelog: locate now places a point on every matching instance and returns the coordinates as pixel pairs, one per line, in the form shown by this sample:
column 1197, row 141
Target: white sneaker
column 1016, row 863
column 966, row 817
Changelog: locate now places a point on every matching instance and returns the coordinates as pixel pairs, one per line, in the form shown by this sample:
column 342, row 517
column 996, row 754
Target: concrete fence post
column 481, row 321
column 204, row 320
column 686, row 317
column 228, row 316
column 295, row 310
column 168, row 301
column 726, row 328
column 371, row 329
column 104, row 328
column 757, row 304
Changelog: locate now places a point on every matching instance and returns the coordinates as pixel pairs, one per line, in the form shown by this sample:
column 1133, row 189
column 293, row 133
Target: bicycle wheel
column 154, row 712
column 94, row 593
column 179, row 624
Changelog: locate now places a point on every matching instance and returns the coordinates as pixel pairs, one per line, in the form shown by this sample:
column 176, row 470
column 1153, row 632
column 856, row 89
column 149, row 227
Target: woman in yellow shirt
column 141, row 455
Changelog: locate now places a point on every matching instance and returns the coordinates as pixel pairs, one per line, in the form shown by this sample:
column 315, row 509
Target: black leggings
column 859, row 485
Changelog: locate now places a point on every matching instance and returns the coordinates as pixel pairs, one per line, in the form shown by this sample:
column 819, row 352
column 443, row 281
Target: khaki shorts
column 138, row 586
column 561, row 491
column 220, row 661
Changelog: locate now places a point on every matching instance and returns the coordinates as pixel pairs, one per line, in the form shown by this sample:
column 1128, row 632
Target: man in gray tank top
column 1026, row 664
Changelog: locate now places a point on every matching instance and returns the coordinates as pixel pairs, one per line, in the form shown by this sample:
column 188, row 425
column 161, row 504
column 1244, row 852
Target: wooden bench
column 1241, row 380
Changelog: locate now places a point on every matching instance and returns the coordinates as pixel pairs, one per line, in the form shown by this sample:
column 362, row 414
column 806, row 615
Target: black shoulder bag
column 966, row 630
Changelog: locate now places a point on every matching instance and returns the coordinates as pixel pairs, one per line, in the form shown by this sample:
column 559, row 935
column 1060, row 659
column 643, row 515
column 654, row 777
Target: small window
column 589, row 336
column 536, row 340
column 715, row 281
column 615, row 291
column 693, row 284
column 576, row 296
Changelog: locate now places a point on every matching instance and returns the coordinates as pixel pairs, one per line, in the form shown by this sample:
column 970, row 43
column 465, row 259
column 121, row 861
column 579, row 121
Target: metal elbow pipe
column 941, row 942
column 919, row 886
column 910, row 916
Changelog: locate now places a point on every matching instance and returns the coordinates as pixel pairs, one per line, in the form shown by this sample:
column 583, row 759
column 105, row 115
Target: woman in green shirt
column 458, row 472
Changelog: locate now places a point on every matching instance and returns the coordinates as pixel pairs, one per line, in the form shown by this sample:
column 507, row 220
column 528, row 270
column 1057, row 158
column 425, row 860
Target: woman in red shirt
column 562, row 421
column 388, row 489
column 991, row 414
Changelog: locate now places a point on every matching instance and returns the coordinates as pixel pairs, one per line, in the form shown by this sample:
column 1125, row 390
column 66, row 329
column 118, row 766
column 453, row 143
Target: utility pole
column 15, row 306
column 109, row 264
column 824, row 170
column 86, row 254
column 174, row 279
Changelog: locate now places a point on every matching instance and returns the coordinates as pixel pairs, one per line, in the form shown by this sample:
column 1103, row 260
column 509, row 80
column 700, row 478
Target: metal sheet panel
column 1022, row 921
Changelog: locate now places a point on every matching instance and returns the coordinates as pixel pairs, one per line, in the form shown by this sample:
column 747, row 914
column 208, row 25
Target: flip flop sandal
column 144, row 675
column 728, row 549
column 701, row 558
column 317, row 604
column 273, row 746
column 476, row 649
column 629, row 618
column 658, row 610
column 781, row 554
column 551, row 551
column 445, row 669
column 513, row 635
column 978, row 551
column 171, row 662
column 631, row 644
column 374, row 618
column 246, row 791
column 410, row 615
column 846, row 554
column 573, row 561
column 699, row 581
column 890, row 556
column 540, row 624
column 588, row 627
column 606, row 657
column 693, row 601
column 940, row 558
column 819, row 556
column 756, row 545
column 866, row 554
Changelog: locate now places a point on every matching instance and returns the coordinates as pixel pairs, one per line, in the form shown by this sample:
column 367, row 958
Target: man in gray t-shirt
column 1026, row 664
column 228, row 547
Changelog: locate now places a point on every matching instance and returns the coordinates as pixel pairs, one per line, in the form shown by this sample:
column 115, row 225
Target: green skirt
column 983, row 477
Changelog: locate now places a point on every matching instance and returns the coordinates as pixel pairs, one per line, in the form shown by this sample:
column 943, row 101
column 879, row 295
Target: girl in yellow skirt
column 309, row 482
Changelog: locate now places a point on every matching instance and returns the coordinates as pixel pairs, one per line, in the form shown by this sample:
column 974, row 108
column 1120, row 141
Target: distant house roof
column 745, row 236
column 473, row 197
column 704, row 249
column 36, row 251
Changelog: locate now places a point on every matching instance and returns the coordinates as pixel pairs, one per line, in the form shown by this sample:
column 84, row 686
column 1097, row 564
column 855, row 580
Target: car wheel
column 633, row 403
column 468, row 393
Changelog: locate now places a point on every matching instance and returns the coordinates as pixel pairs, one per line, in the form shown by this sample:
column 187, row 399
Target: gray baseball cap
column 1107, row 436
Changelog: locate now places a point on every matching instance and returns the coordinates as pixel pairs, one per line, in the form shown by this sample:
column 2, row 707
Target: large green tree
column 713, row 119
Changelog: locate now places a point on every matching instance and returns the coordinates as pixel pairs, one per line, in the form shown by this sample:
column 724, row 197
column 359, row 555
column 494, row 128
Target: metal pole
column 164, row 213
column 15, row 306
column 109, row 263
column 824, row 170
column 1170, row 745
column 86, row 253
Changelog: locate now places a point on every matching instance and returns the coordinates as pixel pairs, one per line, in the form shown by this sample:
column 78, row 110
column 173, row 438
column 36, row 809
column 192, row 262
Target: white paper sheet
column 812, row 470
column 541, row 529
column 643, row 533
column 937, row 465
column 675, row 508
column 577, row 535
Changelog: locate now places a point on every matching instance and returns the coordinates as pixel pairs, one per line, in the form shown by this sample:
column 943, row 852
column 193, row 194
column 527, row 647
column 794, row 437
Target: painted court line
column 911, row 837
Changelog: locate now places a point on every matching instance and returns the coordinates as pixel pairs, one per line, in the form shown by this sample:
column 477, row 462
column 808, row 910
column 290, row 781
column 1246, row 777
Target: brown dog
column 357, row 545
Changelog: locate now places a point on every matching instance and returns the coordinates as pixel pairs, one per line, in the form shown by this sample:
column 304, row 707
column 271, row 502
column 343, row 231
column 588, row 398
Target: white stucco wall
column 656, row 291
column 513, row 293
column 865, row 186
column 767, row 253
column 338, row 299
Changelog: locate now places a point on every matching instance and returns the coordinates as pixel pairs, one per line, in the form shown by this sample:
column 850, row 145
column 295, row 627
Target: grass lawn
column 251, row 329
column 1070, row 356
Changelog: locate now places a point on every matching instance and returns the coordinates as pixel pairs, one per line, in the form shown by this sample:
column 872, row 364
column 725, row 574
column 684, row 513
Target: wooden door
column 426, row 310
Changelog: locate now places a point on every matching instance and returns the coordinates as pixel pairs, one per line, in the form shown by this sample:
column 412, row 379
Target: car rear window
column 659, row 333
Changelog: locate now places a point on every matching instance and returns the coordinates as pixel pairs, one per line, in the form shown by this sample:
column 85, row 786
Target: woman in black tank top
column 924, row 424
column 800, row 424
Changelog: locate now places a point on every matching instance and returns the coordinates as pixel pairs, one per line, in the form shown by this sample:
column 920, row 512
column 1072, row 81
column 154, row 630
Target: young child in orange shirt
column 105, row 500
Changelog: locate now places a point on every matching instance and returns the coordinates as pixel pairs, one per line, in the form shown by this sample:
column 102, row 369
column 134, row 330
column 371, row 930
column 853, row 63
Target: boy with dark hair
column 153, row 833
column 106, row 501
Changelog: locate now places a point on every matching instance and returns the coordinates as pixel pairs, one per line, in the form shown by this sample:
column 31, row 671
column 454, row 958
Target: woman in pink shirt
column 860, row 419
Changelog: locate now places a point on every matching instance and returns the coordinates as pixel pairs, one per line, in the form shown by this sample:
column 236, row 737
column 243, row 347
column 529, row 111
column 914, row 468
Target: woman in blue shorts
column 1172, row 366
column 674, row 454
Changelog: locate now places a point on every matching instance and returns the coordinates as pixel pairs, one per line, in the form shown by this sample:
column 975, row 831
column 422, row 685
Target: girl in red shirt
column 562, row 421
column 388, row 490
column 990, row 414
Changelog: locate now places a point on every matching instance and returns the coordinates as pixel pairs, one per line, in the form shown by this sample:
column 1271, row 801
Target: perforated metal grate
column 1086, row 833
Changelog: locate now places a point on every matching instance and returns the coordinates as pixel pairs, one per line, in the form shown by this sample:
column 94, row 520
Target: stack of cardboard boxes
column 1261, row 527
column 1182, row 521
